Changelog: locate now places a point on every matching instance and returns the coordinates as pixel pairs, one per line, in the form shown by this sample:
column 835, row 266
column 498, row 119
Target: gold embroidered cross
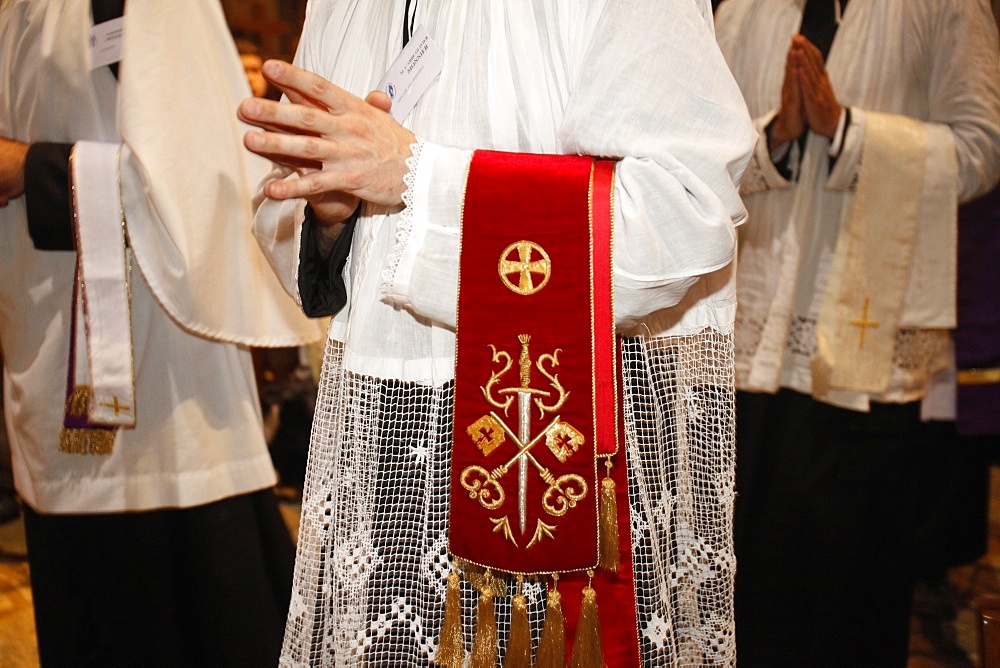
column 118, row 408
column 864, row 323
column 524, row 267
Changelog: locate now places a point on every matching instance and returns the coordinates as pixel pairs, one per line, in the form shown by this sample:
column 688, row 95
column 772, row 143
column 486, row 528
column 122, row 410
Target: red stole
column 536, row 392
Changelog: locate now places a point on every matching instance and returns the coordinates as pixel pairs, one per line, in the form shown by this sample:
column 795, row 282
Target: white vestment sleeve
column 277, row 226
column 761, row 173
column 423, row 271
column 187, row 181
column 683, row 137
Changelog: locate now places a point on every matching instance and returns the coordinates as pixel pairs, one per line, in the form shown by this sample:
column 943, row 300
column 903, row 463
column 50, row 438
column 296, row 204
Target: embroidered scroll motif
column 490, row 432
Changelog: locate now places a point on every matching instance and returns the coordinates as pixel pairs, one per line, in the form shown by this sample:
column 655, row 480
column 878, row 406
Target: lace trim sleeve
column 404, row 227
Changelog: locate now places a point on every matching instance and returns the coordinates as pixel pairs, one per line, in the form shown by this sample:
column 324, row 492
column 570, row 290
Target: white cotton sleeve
column 277, row 226
column 423, row 268
column 761, row 174
column 845, row 170
column 683, row 136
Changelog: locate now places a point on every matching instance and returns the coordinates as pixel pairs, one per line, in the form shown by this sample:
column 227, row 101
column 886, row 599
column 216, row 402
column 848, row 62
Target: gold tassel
column 519, row 645
column 588, row 652
column 484, row 648
column 86, row 441
column 451, row 650
column 78, row 402
column 80, row 441
column 552, row 648
column 609, row 557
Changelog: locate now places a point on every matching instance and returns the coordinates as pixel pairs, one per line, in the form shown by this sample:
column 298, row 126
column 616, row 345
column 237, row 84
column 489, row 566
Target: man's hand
column 345, row 149
column 12, row 154
column 790, row 122
column 822, row 110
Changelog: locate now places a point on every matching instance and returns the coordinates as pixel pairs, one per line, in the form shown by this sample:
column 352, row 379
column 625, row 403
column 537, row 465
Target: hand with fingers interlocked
column 344, row 148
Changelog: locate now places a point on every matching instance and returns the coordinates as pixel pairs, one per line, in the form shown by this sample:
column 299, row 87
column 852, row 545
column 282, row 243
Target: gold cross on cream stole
column 864, row 323
column 118, row 408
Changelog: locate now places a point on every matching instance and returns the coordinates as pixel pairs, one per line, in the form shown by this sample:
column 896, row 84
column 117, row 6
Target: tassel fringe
column 588, row 651
column 78, row 402
column 519, row 646
column 451, row 650
column 83, row 440
column 552, row 648
column 485, row 651
column 87, row 441
column 609, row 556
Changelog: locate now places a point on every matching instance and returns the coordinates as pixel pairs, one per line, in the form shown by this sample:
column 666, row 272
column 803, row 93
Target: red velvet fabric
column 545, row 200
column 615, row 591
column 605, row 355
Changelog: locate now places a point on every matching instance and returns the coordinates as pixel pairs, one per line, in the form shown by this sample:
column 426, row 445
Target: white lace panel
column 372, row 563
column 917, row 355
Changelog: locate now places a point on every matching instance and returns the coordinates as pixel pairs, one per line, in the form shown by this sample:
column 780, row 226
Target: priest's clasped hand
column 12, row 154
column 807, row 96
column 344, row 148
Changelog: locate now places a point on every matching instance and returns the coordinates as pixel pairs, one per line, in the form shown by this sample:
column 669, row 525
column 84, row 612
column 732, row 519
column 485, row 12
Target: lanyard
column 408, row 20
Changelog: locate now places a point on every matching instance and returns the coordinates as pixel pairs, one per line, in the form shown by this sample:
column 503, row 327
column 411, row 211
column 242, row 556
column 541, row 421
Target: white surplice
column 642, row 81
column 200, row 291
column 933, row 62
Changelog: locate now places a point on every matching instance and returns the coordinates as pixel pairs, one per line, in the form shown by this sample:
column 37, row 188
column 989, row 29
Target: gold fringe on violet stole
column 82, row 441
column 609, row 556
column 78, row 402
column 552, row 647
column 519, row 645
column 588, row 651
column 485, row 651
column 451, row 649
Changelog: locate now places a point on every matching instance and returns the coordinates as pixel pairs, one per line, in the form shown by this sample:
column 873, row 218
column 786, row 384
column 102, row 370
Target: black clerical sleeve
column 783, row 163
column 46, row 172
column 321, row 278
column 47, row 196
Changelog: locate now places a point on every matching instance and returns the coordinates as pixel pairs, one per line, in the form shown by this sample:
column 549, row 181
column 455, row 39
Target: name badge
column 106, row 42
column 412, row 73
